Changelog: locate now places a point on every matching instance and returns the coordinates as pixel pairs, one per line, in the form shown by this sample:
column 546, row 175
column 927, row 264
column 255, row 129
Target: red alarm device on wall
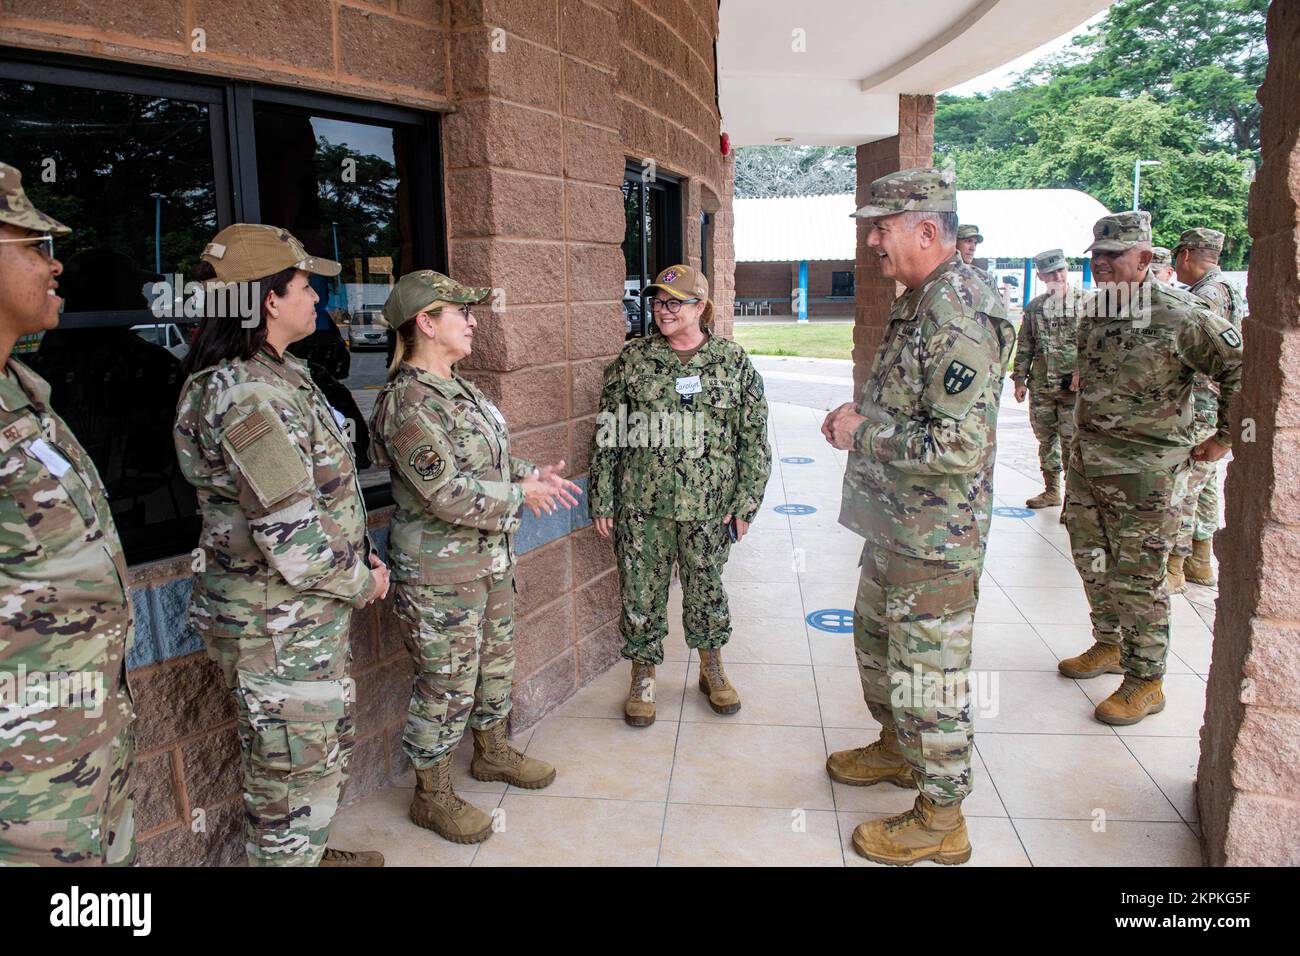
column 726, row 143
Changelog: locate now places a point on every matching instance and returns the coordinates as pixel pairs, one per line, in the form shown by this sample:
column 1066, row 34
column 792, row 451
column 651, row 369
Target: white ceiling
column 857, row 56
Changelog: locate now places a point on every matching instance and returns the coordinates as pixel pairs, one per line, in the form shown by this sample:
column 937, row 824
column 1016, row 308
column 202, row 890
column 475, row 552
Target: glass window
column 652, row 237
column 842, row 283
column 142, row 165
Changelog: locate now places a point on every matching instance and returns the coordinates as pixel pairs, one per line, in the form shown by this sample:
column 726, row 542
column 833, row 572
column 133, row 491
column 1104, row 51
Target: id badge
column 50, row 458
column 688, row 386
column 496, row 413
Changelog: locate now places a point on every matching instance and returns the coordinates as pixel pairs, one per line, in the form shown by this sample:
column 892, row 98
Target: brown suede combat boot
column 1198, row 568
column 1175, row 582
column 495, row 759
column 436, row 807
column 335, row 857
column 713, row 681
column 1136, row 697
column 926, row 832
column 878, row 762
column 639, row 709
column 1050, row 496
column 1095, row 661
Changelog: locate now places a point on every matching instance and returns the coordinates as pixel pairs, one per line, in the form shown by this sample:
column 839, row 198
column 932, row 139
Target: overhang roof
column 837, row 81
column 1015, row 223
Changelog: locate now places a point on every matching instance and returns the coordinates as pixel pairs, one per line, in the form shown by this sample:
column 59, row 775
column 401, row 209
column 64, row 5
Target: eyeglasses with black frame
column 672, row 306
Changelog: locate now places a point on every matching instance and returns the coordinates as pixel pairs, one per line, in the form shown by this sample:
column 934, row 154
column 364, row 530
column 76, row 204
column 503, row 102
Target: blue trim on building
column 162, row 629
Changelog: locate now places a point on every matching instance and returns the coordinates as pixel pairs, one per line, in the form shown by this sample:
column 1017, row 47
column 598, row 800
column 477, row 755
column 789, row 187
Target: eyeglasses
column 45, row 245
column 463, row 311
column 672, row 306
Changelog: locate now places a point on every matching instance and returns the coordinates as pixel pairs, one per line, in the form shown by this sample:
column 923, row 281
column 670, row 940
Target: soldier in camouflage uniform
column 458, row 492
column 678, row 469
column 284, row 552
column 968, row 237
column 1141, row 344
column 1198, row 267
column 1044, row 369
column 1162, row 264
column 66, row 745
column 919, row 487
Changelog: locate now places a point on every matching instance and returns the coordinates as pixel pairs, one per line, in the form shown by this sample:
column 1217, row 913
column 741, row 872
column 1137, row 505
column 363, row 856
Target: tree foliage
column 763, row 172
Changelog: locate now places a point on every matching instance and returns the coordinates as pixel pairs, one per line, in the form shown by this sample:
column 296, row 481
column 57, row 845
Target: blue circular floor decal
column 833, row 620
column 795, row 460
column 795, row 509
column 1013, row 512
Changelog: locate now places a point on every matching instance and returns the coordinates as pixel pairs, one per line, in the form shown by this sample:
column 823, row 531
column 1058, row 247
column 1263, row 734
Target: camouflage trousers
column 296, row 735
column 646, row 548
column 1199, row 508
column 79, row 813
column 1122, row 528
column 912, row 625
column 1051, row 415
column 461, row 638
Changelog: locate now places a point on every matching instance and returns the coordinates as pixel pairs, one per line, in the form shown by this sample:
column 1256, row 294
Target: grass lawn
column 788, row 338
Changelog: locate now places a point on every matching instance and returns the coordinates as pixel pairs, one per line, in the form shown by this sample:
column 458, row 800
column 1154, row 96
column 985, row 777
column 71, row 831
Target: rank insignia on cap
column 427, row 463
column 1231, row 337
column 958, row 378
column 669, row 276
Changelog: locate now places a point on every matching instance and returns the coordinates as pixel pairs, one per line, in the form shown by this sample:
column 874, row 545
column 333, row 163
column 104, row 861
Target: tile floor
column 1052, row 786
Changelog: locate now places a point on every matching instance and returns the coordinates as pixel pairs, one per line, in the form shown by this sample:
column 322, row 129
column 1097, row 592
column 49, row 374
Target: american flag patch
column 243, row 433
column 407, row 437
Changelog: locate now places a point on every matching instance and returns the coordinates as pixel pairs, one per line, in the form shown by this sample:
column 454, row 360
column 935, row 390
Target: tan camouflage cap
column 416, row 291
column 1120, row 231
column 1050, row 260
column 683, row 282
column 246, row 251
column 1200, row 239
column 16, row 209
column 969, row 230
column 911, row 190
column 1160, row 256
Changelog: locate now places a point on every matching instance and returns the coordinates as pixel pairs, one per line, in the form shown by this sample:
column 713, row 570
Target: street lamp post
column 1137, row 176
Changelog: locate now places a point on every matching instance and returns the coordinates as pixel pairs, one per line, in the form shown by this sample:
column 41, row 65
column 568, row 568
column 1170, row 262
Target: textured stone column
column 1250, row 742
column 874, row 294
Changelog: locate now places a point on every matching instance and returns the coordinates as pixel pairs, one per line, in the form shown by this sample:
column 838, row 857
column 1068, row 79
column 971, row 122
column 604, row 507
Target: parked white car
column 367, row 330
column 166, row 334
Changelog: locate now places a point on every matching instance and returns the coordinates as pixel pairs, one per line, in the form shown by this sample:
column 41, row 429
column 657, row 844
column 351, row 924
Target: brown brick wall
column 1249, row 812
column 777, row 280
column 913, row 146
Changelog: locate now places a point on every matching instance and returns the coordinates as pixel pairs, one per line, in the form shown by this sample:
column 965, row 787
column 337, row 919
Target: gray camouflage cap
column 911, row 190
column 1050, row 261
column 16, row 209
column 416, row 291
column 968, row 230
column 1120, row 231
column 1160, row 256
column 1200, row 239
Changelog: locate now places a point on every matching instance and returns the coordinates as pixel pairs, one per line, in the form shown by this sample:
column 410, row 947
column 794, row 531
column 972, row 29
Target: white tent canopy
column 1015, row 223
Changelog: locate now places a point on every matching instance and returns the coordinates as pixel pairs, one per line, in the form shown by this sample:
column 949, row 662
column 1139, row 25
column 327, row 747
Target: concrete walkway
column 1052, row 786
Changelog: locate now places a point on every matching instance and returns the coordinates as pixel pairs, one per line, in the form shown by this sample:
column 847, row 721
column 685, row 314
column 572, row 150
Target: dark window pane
column 842, row 283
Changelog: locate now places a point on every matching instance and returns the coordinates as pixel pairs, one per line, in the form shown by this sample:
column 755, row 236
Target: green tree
column 768, row 171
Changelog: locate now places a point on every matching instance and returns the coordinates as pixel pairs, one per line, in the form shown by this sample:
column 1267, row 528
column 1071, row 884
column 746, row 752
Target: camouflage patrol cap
column 1050, row 261
column 246, row 251
column 922, row 189
column 416, row 291
column 1121, row 231
column 968, row 230
column 1160, row 256
column 16, row 209
column 1200, row 238
column 683, row 282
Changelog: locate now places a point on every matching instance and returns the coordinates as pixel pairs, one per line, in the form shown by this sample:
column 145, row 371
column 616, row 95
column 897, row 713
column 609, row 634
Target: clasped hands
column 841, row 425
column 546, row 488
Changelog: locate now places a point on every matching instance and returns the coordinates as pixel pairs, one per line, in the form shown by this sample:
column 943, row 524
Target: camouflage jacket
column 1047, row 342
column 681, row 440
column 63, row 586
column 1134, row 411
column 455, row 483
column 919, row 480
column 1223, row 299
column 284, row 545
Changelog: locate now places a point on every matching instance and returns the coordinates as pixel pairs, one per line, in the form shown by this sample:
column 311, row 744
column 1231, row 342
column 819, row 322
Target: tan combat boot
column 436, row 807
column 495, row 759
column 878, row 762
column 335, row 857
column 1175, row 581
column 1136, row 697
column 1051, row 494
column 1198, row 568
column 926, row 832
column 639, row 709
column 713, row 681
column 1095, row 661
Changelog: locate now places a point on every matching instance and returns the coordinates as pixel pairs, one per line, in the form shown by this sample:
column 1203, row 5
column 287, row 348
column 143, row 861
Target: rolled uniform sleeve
column 605, row 451
column 278, row 495
column 1026, row 342
column 753, row 454
column 521, row 468
column 949, row 439
column 421, row 451
column 1210, row 344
